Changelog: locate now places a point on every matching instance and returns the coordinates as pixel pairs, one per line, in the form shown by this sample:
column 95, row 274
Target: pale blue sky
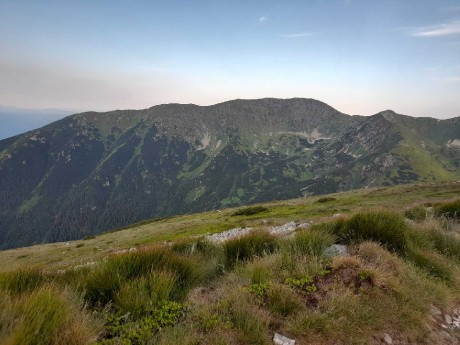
column 358, row 56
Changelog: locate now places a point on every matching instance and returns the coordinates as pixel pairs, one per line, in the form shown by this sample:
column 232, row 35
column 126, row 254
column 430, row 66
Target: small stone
column 335, row 250
column 387, row 339
column 435, row 311
column 448, row 319
column 279, row 339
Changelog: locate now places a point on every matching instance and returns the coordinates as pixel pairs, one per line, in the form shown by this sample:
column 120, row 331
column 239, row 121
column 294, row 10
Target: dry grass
column 394, row 273
column 49, row 315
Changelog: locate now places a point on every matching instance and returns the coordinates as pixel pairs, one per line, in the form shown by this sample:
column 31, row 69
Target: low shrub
column 325, row 199
column 449, row 210
column 249, row 211
column 259, row 290
column 120, row 330
column 254, row 244
column 304, row 284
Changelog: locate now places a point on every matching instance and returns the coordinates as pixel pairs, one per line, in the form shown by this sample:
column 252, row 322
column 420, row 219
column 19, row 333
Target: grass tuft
column 22, row 280
column 254, row 244
column 310, row 242
column 138, row 296
column 450, row 210
column 48, row 316
column 417, row 213
column 385, row 227
column 103, row 284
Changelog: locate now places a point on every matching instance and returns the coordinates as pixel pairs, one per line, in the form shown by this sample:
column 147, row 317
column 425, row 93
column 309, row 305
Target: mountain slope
column 92, row 172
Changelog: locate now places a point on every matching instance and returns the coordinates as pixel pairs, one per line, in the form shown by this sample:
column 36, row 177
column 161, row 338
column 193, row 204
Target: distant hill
column 92, row 172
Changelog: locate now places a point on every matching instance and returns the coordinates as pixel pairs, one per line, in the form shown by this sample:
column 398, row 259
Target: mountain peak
column 93, row 171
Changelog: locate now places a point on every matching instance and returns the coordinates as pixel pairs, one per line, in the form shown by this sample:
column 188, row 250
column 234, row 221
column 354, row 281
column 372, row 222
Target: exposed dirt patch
column 336, row 279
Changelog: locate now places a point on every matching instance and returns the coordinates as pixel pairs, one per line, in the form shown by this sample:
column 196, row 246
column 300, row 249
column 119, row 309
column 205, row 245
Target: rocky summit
column 93, row 172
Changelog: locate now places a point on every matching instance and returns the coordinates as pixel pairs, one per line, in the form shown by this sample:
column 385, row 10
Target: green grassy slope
column 161, row 282
column 67, row 254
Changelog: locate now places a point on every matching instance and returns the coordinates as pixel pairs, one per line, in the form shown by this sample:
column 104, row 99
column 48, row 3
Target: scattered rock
column 337, row 215
column 227, row 235
column 335, row 250
column 448, row 319
column 303, row 226
column 387, row 339
column 283, row 229
column 279, row 339
column 435, row 311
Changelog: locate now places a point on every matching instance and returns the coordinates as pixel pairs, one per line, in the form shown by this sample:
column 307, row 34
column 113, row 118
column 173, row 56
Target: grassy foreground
column 399, row 279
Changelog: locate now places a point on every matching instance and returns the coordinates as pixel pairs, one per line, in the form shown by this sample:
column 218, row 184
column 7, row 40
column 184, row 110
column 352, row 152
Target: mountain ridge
column 92, row 171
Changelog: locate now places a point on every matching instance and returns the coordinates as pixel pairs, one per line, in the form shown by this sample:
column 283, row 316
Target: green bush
column 385, row 227
column 122, row 331
column 259, row 290
column 304, row 284
column 254, row 244
column 249, row 211
column 449, row 210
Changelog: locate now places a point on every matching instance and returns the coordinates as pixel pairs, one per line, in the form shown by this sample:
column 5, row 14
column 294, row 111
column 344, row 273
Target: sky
column 359, row 56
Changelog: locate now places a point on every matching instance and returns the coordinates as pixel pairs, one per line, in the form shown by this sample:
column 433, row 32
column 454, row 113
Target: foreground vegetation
column 400, row 266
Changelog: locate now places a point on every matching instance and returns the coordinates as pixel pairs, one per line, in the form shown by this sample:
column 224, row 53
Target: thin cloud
column 447, row 29
column 297, row 35
column 262, row 19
